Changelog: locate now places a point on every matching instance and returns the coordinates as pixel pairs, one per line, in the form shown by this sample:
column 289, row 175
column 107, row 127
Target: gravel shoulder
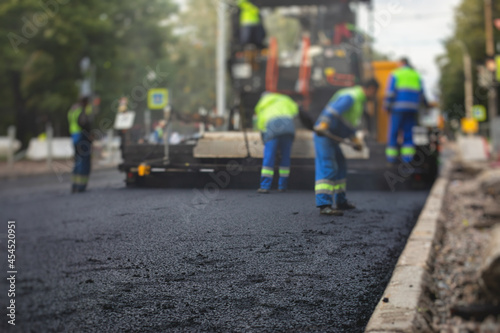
column 461, row 304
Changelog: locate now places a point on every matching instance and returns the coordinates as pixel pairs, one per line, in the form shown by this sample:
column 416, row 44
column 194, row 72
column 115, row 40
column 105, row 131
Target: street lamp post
column 221, row 58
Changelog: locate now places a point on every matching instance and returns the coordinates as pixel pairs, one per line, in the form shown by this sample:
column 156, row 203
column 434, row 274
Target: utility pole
column 469, row 93
column 468, row 82
column 490, row 53
column 221, row 58
column 488, row 15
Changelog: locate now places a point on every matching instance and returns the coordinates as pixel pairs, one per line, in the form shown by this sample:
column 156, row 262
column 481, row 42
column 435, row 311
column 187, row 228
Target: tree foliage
column 194, row 56
column 469, row 32
column 133, row 44
column 43, row 42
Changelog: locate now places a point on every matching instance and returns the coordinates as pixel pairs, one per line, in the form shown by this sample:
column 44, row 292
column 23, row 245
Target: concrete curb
column 406, row 305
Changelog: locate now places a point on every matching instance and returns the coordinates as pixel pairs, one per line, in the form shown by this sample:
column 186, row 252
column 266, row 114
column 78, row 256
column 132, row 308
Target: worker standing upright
column 251, row 28
column 79, row 119
column 157, row 135
column 340, row 118
column 404, row 96
column 275, row 119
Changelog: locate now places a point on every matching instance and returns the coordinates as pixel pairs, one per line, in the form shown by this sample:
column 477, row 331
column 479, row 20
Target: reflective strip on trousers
column 80, row 179
column 408, row 151
column 324, row 187
column 267, row 172
column 284, row 172
column 340, row 186
column 391, row 152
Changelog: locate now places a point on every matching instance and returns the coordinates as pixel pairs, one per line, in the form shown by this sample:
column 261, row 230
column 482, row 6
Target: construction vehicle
column 329, row 56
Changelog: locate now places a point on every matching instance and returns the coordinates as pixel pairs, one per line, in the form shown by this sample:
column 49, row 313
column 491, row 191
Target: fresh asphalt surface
column 176, row 260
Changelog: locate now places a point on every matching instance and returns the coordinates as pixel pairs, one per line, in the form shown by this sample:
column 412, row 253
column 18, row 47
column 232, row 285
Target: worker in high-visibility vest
column 403, row 98
column 80, row 130
column 158, row 132
column 251, row 28
column 275, row 119
column 340, row 117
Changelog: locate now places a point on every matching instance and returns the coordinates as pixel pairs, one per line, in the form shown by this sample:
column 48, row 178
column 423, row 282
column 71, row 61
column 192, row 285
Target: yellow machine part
column 143, row 170
column 382, row 70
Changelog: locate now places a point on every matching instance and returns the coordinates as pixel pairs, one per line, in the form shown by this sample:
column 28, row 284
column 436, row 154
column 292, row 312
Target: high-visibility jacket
column 73, row 114
column 347, row 105
column 405, row 91
column 275, row 113
column 249, row 13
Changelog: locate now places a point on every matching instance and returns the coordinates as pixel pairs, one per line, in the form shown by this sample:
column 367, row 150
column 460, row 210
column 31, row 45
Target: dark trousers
column 252, row 34
column 81, row 171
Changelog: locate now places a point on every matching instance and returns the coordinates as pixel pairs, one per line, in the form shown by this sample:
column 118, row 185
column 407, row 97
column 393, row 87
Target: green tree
column 44, row 41
column 469, row 30
column 194, row 56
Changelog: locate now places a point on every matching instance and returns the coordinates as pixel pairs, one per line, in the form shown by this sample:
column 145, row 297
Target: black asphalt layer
column 179, row 260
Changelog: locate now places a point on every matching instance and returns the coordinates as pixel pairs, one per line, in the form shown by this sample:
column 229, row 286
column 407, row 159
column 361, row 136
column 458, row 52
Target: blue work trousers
column 401, row 122
column 331, row 172
column 283, row 144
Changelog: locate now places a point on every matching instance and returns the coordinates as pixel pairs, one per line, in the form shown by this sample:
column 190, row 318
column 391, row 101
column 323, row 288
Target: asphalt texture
column 117, row 259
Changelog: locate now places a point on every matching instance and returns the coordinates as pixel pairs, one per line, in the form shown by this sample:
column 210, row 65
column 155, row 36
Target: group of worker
column 338, row 121
column 275, row 119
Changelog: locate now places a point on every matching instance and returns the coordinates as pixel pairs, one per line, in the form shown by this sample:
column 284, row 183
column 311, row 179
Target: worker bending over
column 404, row 95
column 80, row 130
column 275, row 114
column 339, row 118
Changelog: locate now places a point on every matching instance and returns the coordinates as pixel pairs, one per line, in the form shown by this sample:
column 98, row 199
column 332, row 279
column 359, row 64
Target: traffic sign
column 479, row 113
column 469, row 126
column 124, row 120
column 157, row 98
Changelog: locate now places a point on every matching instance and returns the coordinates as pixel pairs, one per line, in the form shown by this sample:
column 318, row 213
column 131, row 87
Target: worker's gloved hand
column 321, row 128
column 357, row 143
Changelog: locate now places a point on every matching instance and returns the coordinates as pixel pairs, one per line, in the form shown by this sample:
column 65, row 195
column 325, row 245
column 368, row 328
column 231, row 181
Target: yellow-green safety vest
column 73, row 114
column 407, row 79
column 355, row 113
column 272, row 106
column 249, row 13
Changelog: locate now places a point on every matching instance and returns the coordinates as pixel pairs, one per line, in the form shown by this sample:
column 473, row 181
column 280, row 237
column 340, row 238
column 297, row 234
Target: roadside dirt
column 461, row 304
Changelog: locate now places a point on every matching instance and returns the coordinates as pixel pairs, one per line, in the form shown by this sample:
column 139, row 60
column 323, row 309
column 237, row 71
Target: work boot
column 263, row 191
column 346, row 206
column 327, row 210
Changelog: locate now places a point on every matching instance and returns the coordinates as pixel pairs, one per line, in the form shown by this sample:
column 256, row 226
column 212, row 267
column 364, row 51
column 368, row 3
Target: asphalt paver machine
column 327, row 56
